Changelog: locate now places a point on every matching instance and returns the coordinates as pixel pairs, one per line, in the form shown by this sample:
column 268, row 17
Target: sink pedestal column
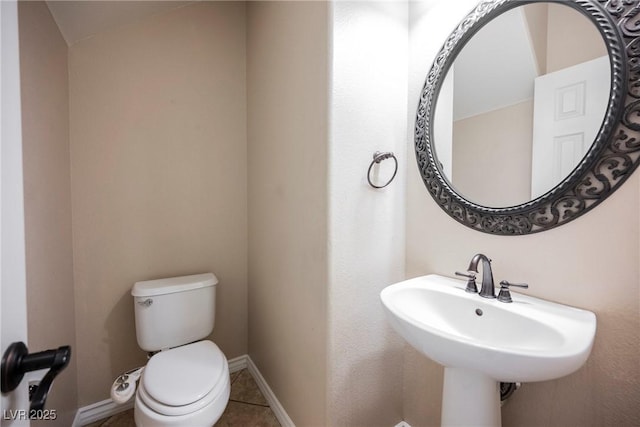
column 470, row 398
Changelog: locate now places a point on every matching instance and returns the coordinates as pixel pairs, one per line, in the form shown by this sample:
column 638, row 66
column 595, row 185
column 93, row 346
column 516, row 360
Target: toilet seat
column 185, row 379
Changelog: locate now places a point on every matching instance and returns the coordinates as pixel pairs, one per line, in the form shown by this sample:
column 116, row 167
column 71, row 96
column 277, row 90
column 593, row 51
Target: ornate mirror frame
column 612, row 158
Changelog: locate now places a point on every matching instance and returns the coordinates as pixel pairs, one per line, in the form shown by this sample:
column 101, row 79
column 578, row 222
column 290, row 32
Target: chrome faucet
column 488, row 289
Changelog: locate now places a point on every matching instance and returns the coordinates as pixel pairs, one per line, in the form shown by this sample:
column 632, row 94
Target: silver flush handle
column 146, row 303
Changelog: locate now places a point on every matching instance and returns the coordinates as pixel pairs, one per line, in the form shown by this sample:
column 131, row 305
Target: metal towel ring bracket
column 377, row 158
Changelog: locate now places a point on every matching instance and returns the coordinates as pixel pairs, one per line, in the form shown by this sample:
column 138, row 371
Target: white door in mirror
column 569, row 106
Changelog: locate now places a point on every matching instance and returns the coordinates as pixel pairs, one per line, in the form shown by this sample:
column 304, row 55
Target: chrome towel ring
column 377, row 158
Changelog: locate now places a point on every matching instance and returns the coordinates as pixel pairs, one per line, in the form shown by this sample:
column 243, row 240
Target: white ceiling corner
column 496, row 68
column 78, row 20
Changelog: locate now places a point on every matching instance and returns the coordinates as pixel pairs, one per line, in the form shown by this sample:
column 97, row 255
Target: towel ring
column 377, row 158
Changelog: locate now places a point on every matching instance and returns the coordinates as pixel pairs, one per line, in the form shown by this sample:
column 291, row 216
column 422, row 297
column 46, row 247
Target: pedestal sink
column 482, row 342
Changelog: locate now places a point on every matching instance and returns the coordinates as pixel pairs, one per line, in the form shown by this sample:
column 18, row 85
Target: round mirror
column 521, row 104
column 528, row 118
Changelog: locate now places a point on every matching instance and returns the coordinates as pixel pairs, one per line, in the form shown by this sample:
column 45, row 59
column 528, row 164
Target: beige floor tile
column 244, row 389
column 123, row 419
column 240, row 414
column 234, row 375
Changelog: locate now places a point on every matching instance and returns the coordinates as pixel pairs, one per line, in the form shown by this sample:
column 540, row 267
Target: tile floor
column 247, row 407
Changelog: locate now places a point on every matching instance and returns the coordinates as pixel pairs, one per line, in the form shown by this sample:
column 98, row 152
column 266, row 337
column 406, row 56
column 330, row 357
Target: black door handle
column 17, row 361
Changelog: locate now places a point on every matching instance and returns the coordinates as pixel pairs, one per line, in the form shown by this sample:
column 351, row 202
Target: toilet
column 186, row 381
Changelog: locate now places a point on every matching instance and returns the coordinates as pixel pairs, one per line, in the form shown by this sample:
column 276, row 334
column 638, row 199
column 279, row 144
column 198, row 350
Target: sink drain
column 479, row 312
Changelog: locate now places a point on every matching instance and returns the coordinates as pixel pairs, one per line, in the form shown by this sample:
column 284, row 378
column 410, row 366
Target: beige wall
column 591, row 263
column 158, row 171
column 571, row 39
column 287, row 78
column 496, row 172
column 536, row 16
column 47, row 194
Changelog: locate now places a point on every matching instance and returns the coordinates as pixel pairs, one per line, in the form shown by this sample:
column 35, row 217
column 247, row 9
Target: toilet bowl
column 186, row 380
column 184, row 386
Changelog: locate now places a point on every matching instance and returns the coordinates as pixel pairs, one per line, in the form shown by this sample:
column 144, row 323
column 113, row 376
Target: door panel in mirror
column 569, row 105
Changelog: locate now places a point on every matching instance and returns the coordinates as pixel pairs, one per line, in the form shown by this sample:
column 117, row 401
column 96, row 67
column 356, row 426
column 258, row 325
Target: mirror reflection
column 521, row 104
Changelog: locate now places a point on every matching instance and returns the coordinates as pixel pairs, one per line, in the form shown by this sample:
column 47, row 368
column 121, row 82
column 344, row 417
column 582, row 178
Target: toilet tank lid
column 170, row 285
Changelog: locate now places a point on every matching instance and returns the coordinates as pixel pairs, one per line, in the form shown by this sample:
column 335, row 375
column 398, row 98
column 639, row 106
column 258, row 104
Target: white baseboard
column 107, row 408
column 276, row 407
column 97, row 411
column 403, row 424
column 238, row 363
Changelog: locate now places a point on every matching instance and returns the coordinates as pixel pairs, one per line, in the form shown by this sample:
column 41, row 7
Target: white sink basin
column 529, row 339
column 483, row 341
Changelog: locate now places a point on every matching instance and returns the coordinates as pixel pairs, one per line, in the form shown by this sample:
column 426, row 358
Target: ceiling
column 78, row 20
column 496, row 68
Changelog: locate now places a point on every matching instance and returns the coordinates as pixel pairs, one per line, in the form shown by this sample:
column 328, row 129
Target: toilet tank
column 174, row 311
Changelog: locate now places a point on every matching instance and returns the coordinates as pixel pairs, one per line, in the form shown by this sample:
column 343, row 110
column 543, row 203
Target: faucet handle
column 471, row 283
column 506, row 284
column 505, row 295
column 468, row 275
